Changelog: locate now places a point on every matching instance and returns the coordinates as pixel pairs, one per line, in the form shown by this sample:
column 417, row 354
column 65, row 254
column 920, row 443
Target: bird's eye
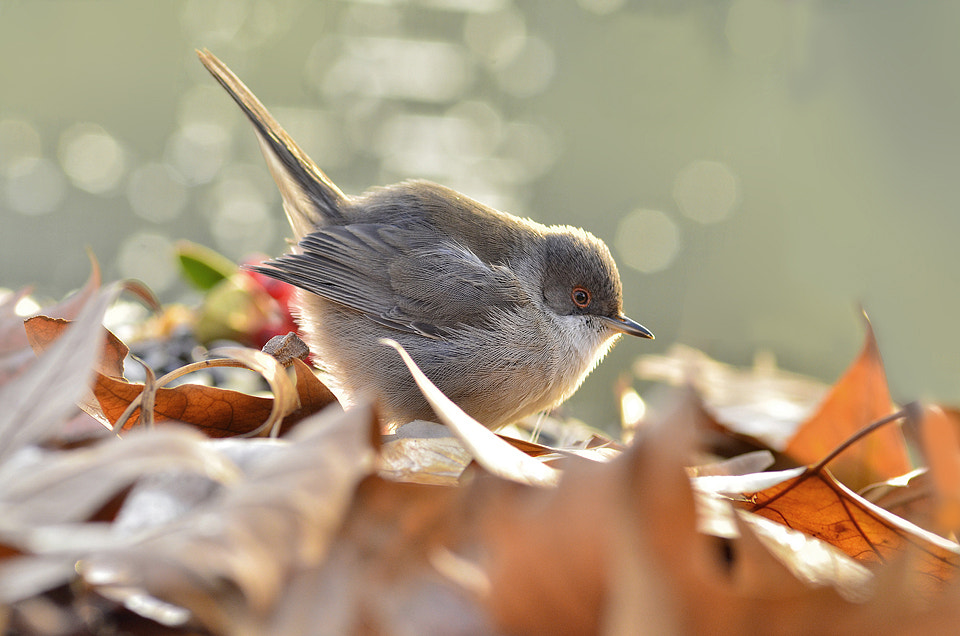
column 580, row 297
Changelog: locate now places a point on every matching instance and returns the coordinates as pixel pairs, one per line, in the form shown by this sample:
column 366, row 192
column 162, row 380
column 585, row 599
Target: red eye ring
column 581, row 297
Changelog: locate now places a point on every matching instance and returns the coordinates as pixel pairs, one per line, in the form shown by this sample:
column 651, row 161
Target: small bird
column 505, row 315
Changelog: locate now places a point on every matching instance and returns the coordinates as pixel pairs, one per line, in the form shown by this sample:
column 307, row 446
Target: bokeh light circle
column 647, row 240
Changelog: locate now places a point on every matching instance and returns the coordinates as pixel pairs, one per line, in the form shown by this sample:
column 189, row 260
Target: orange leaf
column 818, row 505
column 860, row 397
column 43, row 331
column 216, row 412
column 940, row 437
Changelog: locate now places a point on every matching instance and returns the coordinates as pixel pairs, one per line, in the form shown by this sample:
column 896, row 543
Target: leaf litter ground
column 141, row 508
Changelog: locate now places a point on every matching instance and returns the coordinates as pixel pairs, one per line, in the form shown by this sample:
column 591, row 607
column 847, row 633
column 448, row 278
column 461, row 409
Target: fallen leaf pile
column 755, row 501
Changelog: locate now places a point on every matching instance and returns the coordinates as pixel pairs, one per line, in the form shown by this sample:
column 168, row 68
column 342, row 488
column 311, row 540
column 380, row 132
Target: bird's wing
column 408, row 279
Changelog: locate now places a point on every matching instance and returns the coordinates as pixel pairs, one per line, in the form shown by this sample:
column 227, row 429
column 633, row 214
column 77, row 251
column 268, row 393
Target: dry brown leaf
column 857, row 399
column 940, row 438
column 820, row 506
column 43, row 331
column 217, row 412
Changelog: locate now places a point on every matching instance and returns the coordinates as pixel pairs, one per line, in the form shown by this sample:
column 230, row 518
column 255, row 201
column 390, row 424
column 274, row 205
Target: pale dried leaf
column 763, row 402
column 424, row 453
column 811, row 560
column 70, row 485
column 487, row 449
column 44, row 396
column 752, row 462
column 226, row 562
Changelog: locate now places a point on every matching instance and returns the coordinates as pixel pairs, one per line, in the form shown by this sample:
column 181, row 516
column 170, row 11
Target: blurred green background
column 759, row 167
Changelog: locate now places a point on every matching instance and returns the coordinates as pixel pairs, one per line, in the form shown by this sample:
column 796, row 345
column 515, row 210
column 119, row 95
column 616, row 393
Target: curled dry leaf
column 285, row 398
column 215, row 411
column 487, row 449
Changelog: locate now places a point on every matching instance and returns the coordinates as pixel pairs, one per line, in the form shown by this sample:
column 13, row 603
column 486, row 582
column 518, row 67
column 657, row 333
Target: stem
column 907, row 411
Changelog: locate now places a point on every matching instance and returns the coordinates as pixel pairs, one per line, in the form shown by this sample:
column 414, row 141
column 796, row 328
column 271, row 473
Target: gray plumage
column 506, row 316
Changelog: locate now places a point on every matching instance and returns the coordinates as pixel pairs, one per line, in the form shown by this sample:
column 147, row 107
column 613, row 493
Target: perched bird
column 506, row 316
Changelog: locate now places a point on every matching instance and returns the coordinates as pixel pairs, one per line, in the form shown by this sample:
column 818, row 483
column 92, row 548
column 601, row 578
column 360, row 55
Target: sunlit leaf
column 818, row 505
column 490, row 451
column 857, row 399
column 43, row 331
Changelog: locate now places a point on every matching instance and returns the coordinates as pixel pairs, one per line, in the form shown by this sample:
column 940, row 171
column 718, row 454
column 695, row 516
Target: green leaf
column 202, row 266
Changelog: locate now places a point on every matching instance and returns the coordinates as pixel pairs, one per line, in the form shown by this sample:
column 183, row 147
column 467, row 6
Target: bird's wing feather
column 408, row 279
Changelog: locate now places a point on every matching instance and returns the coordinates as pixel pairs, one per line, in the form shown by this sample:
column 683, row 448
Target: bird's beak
column 622, row 324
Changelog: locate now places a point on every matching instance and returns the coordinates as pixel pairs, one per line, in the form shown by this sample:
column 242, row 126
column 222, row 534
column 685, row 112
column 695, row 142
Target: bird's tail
column 310, row 198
